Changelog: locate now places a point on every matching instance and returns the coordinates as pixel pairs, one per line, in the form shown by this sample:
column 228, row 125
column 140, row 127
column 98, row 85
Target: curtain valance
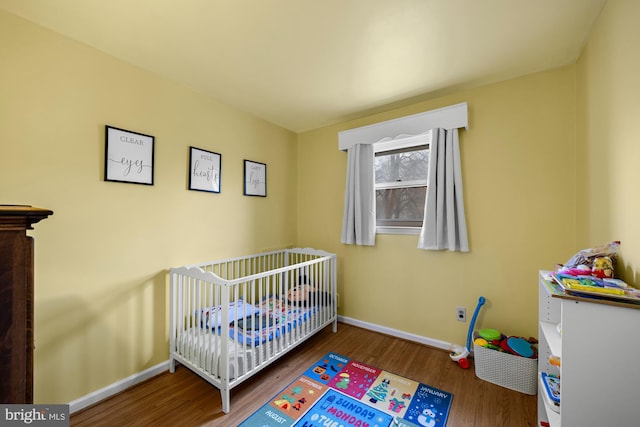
column 451, row 117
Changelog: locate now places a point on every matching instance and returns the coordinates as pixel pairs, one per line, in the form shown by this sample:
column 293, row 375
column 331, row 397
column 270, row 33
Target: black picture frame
column 129, row 156
column 255, row 179
column 205, row 170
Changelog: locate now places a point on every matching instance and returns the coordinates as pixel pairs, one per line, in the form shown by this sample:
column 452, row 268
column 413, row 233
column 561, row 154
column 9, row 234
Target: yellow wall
column 549, row 168
column 608, row 151
column 519, row 181
column 101, row 297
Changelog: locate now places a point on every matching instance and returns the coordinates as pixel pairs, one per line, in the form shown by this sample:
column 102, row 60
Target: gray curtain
column 444, row 225
column 359, row 220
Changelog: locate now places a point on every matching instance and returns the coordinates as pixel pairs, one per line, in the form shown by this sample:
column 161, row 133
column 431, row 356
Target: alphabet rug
column 337, row 391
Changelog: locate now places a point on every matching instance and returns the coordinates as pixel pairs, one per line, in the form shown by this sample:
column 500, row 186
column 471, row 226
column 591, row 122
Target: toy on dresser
column 590, row 273
column 598, row 261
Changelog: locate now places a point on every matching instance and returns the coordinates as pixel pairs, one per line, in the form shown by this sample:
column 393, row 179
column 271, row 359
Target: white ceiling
column 303, row 64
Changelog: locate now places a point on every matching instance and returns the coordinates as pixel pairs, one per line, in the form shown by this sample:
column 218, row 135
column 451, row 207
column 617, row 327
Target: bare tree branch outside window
column 401, row 180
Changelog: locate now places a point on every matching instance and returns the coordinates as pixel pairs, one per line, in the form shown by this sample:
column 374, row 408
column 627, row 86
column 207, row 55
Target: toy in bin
column 507, row 361
column 493, row 339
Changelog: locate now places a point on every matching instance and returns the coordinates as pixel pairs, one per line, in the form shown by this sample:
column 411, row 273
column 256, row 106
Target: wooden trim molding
column 21, row 217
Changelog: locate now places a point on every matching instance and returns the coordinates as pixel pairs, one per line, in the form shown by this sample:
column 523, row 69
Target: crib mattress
column 203, row 350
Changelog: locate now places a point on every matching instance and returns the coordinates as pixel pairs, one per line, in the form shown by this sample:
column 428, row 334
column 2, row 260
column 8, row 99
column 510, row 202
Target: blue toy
column 458, row 353
column 481, row 302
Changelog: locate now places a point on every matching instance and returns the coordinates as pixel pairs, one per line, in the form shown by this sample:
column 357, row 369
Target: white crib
column 233, row 317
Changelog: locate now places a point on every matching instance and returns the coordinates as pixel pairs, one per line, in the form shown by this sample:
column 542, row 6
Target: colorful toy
column 554, row 360
column 458, row 353
column 519, row 346
column 481, row 342
column 602, row 267
column 514, row 345
column 579, row 270
column 552, row 390
column 481, row 302
column 490, row 334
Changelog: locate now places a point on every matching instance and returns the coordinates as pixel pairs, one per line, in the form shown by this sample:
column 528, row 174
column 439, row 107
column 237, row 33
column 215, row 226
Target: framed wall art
column 128, row 156
column 204, row 170
column 255, row 179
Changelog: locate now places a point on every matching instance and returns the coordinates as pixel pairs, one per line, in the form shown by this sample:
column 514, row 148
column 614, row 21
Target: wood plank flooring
column 184, row 399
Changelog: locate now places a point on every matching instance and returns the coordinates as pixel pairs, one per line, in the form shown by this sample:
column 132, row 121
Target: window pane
column 400, row 206
column 406, row 165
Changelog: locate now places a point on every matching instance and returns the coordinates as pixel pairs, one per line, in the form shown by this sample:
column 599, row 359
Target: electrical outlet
column 461, row 314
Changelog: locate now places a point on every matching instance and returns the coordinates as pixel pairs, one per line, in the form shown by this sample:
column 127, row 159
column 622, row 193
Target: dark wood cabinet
column 16, row 302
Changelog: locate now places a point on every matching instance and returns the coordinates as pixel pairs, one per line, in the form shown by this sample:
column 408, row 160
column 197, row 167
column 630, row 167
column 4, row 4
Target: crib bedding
column 212, row 317
column 256, row 324
column 243, row 347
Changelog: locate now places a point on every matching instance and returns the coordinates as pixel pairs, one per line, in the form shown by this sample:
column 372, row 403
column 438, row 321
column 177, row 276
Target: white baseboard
column 117, row 387
column 396, row 333
column 134, row 379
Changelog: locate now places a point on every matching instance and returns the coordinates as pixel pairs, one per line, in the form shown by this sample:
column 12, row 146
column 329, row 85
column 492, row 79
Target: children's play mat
column 337, row 391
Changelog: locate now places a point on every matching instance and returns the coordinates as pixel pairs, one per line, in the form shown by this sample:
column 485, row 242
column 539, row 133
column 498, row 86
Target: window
column 401, row 178
column 401, row 196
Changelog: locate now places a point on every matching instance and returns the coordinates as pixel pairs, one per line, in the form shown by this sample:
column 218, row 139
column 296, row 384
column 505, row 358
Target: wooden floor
column 184, row 399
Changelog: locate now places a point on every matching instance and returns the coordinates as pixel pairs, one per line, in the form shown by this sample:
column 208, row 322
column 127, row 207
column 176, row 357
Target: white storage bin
column 506, row 369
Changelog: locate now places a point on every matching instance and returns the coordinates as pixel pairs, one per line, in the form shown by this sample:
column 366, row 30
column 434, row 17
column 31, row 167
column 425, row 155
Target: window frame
column 402, row 142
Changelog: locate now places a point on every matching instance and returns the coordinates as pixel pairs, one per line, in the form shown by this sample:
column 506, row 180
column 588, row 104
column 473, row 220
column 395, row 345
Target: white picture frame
column 255, row 178
column 129, row 156
column 205, row 170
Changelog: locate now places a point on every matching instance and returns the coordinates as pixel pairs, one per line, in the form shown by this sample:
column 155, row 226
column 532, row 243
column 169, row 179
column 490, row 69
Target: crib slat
column 210, row 300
